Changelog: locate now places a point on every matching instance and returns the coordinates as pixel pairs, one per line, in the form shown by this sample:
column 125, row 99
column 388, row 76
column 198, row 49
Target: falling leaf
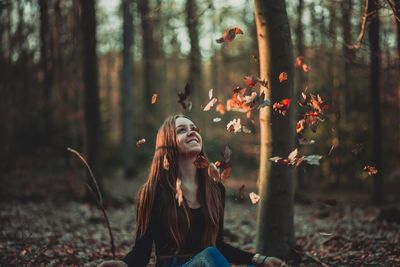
column 240, row 195
column 154, row 99
column 371, row 170
column 229, row 35
column 250, row 81
column 254, row 198
column 227, row 154
column 312, row 159
column 305, row 67
column 183, row 98
column 283, row 76
column 210, row 93
column 234, row 126
column 165, row 162
column 305, row 141
column 300, row 125
column 179, row 193
column 226, row 173
column 210, row 104
column 201, row 162
column 216, row 119
column 140, row 142
column 220, row 108
column 331, row 149
column 245, row 129
column 213, row 172
column 282, row 106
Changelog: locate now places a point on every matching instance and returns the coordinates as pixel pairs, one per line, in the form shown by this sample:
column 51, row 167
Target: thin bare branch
column 395, row 8
column 98, row 197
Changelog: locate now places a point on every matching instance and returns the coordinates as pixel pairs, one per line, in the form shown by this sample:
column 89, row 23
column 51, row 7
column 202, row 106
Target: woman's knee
column 212, row 251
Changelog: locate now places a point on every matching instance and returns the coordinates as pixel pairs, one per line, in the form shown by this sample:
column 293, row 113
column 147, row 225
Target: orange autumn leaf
column 220, row 108
column 283, row 76
column 371, row 170
column 300, row 125
column 154, row 99
column 140, row 142
column 229, row 35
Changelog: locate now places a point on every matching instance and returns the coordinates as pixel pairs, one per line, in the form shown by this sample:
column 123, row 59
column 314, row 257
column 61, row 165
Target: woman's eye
column 181, row 130
column 196, row 129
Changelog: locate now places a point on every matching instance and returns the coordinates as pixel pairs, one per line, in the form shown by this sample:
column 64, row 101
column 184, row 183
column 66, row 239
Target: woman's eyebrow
column 183, row 125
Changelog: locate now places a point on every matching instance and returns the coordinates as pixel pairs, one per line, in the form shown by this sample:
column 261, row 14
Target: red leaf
column 229, row 35
column 283, row 76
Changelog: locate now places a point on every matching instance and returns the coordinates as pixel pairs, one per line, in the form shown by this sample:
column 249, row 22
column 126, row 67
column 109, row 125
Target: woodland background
column 81, row 74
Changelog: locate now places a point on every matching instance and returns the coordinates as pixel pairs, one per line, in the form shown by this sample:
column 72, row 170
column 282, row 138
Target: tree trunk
column 149, row 55
column 300, row 84
column 126, row 88
column 348, row 54
column 375, row 66
column 46, row 62
column 195, row 72
column 91, row 87
column 275, row 229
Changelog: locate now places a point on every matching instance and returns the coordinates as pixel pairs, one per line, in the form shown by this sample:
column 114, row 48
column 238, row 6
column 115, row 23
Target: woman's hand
column 264, row 261
column 273, row 262
column 112, row 263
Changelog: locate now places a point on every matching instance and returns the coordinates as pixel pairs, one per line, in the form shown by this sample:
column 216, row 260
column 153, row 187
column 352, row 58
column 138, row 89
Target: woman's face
column 187, row 136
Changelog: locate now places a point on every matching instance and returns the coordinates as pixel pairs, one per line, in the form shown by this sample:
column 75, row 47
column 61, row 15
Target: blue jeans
column 209, row 257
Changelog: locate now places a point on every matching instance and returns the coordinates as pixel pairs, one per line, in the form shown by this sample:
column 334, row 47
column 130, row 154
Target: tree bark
column 91, row 87
column 46, row 63
column 149, row 55
column 126, row 88
column 375, row 67
column 275, row 227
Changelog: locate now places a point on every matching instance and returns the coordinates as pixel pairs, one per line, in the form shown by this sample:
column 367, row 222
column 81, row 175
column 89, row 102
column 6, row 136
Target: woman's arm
column 232, row 254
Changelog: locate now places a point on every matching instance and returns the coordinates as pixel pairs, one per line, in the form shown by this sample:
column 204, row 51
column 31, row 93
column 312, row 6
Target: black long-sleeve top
column 140, row 252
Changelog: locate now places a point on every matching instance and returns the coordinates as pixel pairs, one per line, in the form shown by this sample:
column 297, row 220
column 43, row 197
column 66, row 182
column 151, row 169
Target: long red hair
column 177, row 221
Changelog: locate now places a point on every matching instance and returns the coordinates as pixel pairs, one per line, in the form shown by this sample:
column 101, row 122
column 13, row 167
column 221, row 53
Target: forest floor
column 69, row 233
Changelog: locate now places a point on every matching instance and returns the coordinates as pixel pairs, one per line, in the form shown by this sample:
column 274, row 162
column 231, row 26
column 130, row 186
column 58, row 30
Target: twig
column 365, row 19
column 396, row 12
column 98, row 197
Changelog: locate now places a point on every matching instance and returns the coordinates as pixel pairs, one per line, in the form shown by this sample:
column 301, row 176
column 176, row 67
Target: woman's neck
column 187, row 171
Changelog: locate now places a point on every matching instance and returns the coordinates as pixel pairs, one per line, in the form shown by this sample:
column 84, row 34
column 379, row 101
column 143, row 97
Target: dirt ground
column 70, row 233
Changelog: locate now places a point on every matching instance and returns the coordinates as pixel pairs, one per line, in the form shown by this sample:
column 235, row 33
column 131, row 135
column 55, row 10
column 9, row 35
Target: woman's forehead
column 181, row 121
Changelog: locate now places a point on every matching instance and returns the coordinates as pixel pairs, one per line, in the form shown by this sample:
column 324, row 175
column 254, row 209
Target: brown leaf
column 140, row 142
column 201, row 162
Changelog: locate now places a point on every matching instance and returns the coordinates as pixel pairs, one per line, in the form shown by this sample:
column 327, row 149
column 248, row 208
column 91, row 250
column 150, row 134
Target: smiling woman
column 181, row 208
